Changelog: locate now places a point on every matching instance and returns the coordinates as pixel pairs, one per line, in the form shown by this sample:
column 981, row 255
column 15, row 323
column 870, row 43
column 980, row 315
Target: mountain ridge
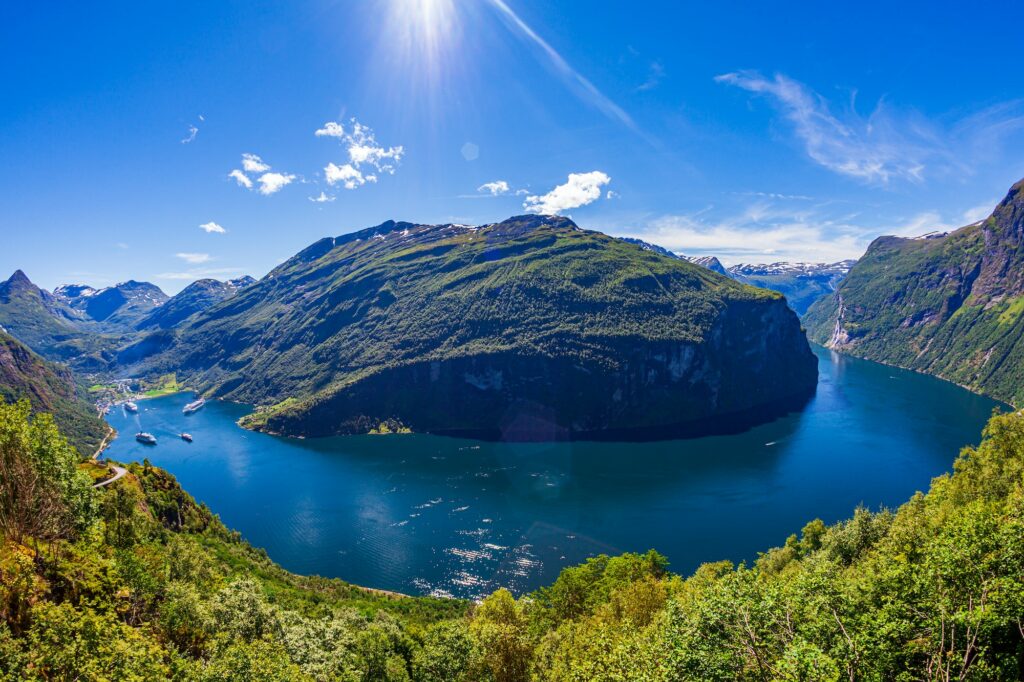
column 949, row 305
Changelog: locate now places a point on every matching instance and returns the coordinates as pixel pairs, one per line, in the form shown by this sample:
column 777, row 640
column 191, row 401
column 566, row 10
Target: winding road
column 118, row 473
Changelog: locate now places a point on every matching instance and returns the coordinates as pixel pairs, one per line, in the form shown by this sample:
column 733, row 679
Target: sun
column 424, row 31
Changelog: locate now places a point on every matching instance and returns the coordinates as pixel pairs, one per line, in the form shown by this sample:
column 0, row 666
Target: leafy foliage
column 43, row 495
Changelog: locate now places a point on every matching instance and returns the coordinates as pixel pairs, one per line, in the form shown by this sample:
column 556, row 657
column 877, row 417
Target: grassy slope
column 50, row 388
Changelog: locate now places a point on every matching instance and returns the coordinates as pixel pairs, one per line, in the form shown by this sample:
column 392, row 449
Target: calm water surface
column 426, row 514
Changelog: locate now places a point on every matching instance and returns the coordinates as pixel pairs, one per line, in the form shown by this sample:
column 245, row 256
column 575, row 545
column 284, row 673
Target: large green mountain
column 951, row 305
column 528, row 328
column 51, row 388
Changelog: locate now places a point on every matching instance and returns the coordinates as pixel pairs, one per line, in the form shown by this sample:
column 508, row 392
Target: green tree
column 256, row 661
column 241, row 610
column 43, row 495
column 500, row 631
column 448, row 653
column 70, row 644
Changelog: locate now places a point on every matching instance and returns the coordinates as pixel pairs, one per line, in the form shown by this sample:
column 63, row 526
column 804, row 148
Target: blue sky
column 734, row 129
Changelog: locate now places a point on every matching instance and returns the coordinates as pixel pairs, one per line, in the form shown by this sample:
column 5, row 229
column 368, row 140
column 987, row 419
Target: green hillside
column 488, row 330
column 947, row 305
column 136, row 581
column 51, row 388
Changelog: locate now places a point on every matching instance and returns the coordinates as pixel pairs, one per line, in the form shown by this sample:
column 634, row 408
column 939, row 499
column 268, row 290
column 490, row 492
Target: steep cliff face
column 754, row 364
column 949, row 304
column 460, row 328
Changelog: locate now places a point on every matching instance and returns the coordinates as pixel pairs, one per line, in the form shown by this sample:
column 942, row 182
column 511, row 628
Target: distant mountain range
column 801, row 283
column 193, row 299
column 949, row 304
column 84, row 326
column 112, row 309
column 527, row 328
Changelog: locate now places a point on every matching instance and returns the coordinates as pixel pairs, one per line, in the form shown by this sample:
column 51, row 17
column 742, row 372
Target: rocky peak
column 711, row 263
column 19, row 280
column 71, row 292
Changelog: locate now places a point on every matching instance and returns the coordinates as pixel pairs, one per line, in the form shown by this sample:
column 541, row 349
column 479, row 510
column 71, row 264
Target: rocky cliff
column 951, row 304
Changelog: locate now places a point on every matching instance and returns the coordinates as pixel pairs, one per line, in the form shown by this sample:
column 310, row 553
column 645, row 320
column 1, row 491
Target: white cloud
column 887, row 144
column 348, row 175
column 875, row 149
column 192, row 132
column 253, row 164
column 580, row 189
column 494, row 188
column 331, row 129
column 363, row 149
column 611, row 194
column 766, row 230
column 269, row 182
column 979, row 212
column 322, row 199
column 194, row 258
column 754, row 237
column 273, row 182
column 366, row 157
column 241, row 178
column 201, row 273
column 212, row 227
column 655, row 73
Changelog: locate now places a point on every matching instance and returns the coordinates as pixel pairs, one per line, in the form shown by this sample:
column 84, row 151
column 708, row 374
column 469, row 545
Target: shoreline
column 969, row 389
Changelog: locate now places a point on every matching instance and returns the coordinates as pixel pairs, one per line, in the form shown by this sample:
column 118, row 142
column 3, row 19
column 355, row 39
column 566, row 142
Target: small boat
column 131, row 407
column 145, row 438
column 194, row 406
column 187, row 437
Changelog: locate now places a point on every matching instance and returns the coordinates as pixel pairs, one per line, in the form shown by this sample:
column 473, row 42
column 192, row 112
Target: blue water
column 426, row 514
